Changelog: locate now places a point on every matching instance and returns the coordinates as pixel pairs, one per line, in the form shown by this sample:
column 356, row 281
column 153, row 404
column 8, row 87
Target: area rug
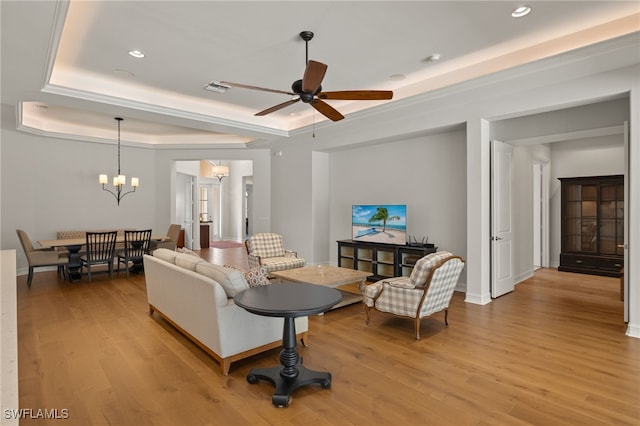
column 225, row 244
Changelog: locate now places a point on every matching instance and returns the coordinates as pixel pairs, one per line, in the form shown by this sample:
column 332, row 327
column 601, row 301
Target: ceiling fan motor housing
column 296, row 88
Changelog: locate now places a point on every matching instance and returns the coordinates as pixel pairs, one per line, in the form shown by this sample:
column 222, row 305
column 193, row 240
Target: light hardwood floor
column 552, row 352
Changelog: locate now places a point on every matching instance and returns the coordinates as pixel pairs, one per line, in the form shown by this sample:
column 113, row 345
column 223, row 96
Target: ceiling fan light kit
column 309, row 89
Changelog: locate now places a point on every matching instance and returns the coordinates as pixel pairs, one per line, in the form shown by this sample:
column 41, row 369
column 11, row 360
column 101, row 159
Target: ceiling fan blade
column 327, row 110
column 277, row 107
column 357, row 95
column 313, row 75
column 246, row 86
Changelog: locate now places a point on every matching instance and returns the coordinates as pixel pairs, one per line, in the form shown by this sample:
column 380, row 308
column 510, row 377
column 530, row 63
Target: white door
column 502, row 281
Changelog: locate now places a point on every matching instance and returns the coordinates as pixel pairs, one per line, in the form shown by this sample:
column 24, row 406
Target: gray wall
column 427, row 173
column 51, row 184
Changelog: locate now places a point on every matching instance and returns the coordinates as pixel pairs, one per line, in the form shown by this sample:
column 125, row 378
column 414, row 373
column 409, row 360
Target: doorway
column 228, row 204
column 540, row 182
column 185, row 207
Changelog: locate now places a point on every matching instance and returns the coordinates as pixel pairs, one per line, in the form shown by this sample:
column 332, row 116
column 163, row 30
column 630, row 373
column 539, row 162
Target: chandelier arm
column 126, row 193
column 110, row 192
column 118, row 194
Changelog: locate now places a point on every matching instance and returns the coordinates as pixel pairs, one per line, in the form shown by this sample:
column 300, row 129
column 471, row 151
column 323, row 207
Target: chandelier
column 119, row 180
column 219, row 171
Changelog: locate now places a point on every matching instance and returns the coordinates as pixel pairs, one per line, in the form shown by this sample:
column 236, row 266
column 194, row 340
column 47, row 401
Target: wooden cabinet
column 592, row 225
column 204, row 234
column 382, row 260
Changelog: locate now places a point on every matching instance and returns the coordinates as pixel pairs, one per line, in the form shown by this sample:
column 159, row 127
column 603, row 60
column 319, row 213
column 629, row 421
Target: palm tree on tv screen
column 382, row 214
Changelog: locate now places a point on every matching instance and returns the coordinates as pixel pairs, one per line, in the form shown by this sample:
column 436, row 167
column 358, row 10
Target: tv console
column 382, row 260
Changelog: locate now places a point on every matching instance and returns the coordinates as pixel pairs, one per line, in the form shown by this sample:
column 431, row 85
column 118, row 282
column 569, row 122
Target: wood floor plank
column 551, row 352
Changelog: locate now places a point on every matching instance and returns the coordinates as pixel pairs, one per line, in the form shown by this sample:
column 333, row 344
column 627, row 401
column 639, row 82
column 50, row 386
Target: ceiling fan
column 309, row 90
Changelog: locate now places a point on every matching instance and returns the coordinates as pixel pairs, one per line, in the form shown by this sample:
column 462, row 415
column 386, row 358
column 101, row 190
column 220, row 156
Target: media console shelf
column 382, row 260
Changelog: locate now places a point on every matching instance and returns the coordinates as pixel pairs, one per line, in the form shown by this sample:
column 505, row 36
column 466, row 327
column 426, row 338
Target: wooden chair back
column 136, row 243
column 101, row 246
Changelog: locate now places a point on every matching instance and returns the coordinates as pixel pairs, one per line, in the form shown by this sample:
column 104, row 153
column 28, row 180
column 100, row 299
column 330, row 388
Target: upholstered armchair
column 172, row 233
column 427, row 291
column 267, row 249
column 41, row 257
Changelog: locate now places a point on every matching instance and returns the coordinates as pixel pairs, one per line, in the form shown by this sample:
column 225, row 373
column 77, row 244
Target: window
column 204, row 204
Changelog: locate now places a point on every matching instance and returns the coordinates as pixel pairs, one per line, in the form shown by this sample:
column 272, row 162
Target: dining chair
column 136, row 245
column 171, row 243
column 41, row 257
column 101, row 248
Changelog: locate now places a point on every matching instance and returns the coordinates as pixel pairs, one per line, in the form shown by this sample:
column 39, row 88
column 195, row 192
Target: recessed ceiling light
column 136, row 54
column 397, row 77
column 521, row 11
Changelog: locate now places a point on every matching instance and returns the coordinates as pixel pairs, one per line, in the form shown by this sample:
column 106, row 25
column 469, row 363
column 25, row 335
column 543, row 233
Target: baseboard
column 633, row 330
column 523, row 276
column 478, row 299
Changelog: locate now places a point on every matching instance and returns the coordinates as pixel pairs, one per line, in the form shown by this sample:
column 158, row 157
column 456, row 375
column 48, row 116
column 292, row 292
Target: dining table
column 74, row 245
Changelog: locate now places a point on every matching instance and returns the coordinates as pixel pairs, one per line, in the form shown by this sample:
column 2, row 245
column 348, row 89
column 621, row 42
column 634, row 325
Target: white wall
column 233, row 197
column 427, row 173
column 321, row 208
column 591, row 157
column 522, row 212
column 291, row 211
column 51, row 184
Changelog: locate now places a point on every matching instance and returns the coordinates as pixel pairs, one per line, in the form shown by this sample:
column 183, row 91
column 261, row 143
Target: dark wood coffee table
column 288, row 301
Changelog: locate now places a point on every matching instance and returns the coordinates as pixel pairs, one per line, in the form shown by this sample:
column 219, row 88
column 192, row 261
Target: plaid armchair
column 267, row 249
column 428, row 290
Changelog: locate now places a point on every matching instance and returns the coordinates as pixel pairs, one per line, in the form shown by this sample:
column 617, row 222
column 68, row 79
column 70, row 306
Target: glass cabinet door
column 581, row 218
column 611, row 211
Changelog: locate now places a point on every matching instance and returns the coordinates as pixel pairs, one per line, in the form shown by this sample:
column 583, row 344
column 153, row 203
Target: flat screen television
column 379, row 223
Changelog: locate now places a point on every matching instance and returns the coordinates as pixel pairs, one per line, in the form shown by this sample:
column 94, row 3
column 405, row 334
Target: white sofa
column 196, row 297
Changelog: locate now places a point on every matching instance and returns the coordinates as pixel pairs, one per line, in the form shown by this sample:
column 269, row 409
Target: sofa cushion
column 166, row 255
column 257, row 276
column 423, row 267
column 186, row 250
column 230, row 279
column 188, row 261
column 281, row 263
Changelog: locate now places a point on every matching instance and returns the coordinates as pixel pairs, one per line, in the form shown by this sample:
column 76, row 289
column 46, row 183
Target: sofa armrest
column 290, row 253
